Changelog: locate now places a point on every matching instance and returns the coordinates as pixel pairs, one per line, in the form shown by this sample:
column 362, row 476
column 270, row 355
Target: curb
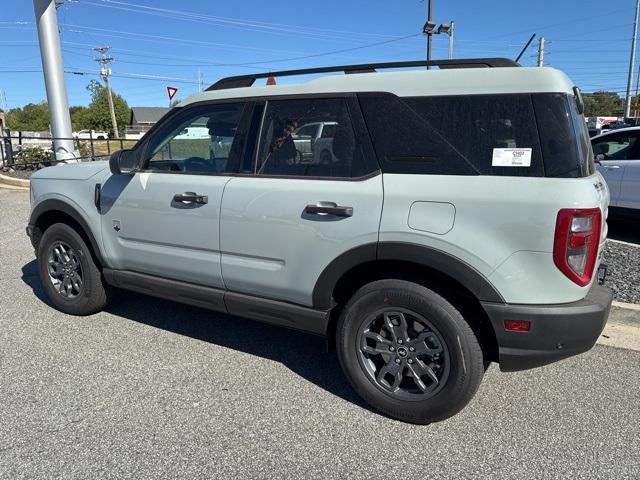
column 626, row 306
column 14, row 183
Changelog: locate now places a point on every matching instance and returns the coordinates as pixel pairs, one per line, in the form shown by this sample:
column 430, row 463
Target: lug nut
column 400, row 341
column 412, row 349
column 397, row 360
column 391, row 349
column 410, row 361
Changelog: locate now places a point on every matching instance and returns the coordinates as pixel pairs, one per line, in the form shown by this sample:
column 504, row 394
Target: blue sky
column 588, row 39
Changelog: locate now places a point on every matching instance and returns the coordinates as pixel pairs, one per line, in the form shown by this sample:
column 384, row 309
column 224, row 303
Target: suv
column 460, row 224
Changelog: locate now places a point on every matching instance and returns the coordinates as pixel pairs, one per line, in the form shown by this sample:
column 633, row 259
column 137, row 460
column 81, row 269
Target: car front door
column 613, row 150
column 164, row 219
column 289, row 217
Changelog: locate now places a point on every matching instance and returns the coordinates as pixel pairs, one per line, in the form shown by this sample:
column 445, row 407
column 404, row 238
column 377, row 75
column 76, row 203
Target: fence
column 31, row 150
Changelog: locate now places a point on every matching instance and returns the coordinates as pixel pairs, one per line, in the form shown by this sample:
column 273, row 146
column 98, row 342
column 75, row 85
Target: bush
column 31, row 156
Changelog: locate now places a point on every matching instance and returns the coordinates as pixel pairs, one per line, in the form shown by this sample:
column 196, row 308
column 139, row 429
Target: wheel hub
column 403, row 354
column 65, row 270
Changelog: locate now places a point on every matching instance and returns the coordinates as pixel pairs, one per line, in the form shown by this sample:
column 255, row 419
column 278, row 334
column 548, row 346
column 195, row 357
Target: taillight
column 575, row 247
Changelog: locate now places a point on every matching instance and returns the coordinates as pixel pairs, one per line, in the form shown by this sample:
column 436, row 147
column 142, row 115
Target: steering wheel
column 198, row 164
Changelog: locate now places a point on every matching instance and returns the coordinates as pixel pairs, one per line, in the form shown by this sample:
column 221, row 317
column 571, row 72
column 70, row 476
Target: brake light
column 575, row 247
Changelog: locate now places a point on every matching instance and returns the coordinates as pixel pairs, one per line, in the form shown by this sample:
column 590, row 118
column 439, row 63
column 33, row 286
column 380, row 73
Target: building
column 142, row 119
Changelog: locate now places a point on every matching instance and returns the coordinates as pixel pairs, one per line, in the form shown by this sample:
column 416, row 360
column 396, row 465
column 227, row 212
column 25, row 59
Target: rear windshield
column 507, row 135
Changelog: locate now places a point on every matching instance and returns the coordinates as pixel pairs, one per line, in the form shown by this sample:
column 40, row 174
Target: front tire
column 408, row 352
column 70, row 277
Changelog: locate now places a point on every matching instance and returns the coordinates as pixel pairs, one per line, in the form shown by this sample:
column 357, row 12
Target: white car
column 91, row 135
column 617, row 155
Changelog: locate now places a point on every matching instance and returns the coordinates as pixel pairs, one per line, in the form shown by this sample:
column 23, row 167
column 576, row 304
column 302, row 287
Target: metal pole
column 52, row 66
column 627, row 102
column 541, row 51
column 524, row 49
column 114, row 122
column 451, row 33
column 429, row 34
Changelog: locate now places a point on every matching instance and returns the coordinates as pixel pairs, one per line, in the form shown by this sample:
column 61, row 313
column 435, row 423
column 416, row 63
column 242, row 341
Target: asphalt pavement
column 153, row 389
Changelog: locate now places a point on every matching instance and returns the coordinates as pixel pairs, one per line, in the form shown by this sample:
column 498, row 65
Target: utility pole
column 451, row 33
column 541, row 51
column 627, row 102
column 429, row 30
column 52, row 66
column 105, row 71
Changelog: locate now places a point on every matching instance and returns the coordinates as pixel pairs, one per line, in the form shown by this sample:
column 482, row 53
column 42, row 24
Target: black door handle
column 191, row 197
column 329, row 209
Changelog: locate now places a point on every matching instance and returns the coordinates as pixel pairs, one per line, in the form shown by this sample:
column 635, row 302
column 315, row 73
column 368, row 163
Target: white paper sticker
column 511, row 157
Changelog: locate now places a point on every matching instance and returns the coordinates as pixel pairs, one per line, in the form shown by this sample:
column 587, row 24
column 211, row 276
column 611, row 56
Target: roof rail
column 248, row 80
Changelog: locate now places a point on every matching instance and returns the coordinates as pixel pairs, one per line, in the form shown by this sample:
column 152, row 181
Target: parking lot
column 153, row 389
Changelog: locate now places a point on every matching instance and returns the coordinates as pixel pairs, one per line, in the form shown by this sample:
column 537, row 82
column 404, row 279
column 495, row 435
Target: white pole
column 451, row 33
column 541, row 51
column 52, row 66
column 627, row 102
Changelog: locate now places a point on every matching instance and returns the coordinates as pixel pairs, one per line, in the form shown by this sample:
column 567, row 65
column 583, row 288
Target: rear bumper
column 556, row 331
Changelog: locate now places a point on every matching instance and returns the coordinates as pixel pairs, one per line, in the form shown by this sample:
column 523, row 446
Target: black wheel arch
column 53, row 211
column 401, row 253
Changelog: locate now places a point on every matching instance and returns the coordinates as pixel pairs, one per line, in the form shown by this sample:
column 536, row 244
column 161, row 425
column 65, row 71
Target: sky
column 163, row 43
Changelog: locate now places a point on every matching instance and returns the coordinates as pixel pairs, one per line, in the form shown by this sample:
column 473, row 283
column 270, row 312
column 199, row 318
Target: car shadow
column 624, row 230
column 304, row 354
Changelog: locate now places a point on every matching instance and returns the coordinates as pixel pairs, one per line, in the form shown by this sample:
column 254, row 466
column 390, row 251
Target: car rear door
column 164, row 219
column 288, row 217
column 613, row 150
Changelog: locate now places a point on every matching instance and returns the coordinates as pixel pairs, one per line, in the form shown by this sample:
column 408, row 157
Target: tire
column 70, row 277
column 442, row 342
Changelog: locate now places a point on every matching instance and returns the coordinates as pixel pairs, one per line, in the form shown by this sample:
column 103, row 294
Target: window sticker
column 511, row 157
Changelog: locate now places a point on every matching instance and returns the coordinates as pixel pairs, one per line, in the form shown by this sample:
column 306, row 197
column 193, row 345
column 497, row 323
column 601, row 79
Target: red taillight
column 517, row 325
column 575, row 247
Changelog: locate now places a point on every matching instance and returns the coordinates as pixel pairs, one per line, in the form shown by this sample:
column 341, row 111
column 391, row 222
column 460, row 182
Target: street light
column 429, row 29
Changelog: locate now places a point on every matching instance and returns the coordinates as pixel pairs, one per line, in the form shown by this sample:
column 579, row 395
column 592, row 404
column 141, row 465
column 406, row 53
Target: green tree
column 97, row 115
column 603, row 104
column 79, row 117
column 32, row 117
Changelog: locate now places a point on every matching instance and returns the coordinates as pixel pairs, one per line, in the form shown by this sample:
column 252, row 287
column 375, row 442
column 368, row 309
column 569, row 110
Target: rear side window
column 565, row 143
column 286, row 149
column 452, row 135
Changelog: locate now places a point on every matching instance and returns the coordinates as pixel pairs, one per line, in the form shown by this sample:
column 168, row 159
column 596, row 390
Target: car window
column 617, row 146
column 198, row 140
column 452, row 135
column 306, row 131
column 282, row 152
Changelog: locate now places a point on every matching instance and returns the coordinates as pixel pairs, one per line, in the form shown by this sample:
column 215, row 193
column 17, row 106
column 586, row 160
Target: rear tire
column 70, row 277
column 427, row 376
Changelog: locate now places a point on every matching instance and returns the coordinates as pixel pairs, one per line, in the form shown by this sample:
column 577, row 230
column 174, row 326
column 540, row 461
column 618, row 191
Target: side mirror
column 123, row 162
column 598, row 158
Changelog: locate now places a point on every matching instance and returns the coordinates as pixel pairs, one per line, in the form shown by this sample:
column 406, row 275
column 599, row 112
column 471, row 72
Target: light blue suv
column 457, row 221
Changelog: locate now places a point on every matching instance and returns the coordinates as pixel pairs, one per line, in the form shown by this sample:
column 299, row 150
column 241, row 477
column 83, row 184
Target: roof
column 468, row 81
column 147, row 114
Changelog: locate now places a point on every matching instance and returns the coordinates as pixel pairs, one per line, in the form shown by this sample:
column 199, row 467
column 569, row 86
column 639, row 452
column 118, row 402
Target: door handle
column 612, row 167
column 191, row 197
column 329, row 208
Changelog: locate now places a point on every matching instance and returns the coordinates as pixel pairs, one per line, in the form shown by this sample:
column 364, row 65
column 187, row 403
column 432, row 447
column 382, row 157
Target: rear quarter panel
column 502, row 226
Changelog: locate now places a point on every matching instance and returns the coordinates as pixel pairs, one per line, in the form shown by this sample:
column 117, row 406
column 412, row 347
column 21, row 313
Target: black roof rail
column 248, row 80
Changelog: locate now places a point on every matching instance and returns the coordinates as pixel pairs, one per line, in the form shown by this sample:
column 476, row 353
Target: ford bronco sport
column 459, row 222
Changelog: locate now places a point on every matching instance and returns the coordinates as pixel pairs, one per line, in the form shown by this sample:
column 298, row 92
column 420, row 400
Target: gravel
column 623, row 271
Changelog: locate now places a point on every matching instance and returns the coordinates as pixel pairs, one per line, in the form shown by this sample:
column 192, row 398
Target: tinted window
column 563, row 153
column 283, row 151
column 617, row 146
column 197, row 140
column 452, row 135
